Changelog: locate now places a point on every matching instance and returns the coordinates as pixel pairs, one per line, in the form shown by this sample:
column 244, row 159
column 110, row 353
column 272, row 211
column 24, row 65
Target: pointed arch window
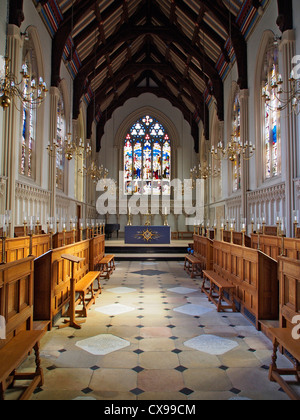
column 147, row 159
column 236, row 135
column 60, row 136
column 28, row 135
column 271, row 116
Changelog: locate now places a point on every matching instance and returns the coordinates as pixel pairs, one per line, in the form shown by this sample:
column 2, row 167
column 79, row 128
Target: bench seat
column 13, row 354
column 193, row 266
column 107, row 266
column 85, row 286
column 217, row 289
column 283, row 337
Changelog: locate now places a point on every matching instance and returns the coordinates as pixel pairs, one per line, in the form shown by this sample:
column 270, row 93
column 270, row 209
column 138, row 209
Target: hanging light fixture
column 30, row 92
column 235, row 149
column 289, row 99
column 204, row 172
column 94, row 172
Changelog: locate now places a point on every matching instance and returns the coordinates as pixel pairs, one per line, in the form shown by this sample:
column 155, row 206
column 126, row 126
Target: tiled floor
column 152, row 335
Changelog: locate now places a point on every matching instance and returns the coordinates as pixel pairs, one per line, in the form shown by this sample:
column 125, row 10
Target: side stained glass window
column 60, row 159
column 28, row 139
column 271, row 116
column 147, row 159
column 236, row 134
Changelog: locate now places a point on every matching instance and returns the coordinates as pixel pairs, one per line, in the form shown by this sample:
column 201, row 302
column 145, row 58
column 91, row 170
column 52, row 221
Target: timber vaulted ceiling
column 180, row 50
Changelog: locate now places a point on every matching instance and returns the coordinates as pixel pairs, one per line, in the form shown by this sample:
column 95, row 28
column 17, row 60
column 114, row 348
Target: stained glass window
column 271, row 116
column 28, row 138
column 61, row 132
column 236, row 134
column 147, row 159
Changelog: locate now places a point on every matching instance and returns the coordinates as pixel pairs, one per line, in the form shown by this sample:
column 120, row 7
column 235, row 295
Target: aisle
column 153, row 335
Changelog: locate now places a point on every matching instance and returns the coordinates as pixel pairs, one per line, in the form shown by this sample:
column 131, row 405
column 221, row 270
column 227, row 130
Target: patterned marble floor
column 152, row 335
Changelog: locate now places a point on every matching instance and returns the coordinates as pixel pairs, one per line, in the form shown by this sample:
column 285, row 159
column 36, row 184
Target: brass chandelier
column 94, row 172
column 233, row 150
column 204, row 172
column 285, row 99
column 30, row 92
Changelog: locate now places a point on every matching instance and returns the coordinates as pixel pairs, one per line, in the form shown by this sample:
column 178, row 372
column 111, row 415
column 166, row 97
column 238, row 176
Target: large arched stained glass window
column 147, row 159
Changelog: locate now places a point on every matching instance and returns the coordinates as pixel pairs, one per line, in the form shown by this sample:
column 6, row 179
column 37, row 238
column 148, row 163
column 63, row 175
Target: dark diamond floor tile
column 138, row 369
column 235, row 391
column 86, row 390
column 181, row 368
column 186, row 391
column 137, row 391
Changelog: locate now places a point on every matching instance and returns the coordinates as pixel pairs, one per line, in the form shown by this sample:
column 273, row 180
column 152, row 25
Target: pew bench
column 12, row 355
column 107, row 266
column 216, row 291
column 84, row 287
column 283, row 337
column 193, row 266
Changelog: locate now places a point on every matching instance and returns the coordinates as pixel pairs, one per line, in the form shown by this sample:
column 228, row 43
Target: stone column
column 54, row 98
column 289, row 128
column 11, row 121
column 244, row 104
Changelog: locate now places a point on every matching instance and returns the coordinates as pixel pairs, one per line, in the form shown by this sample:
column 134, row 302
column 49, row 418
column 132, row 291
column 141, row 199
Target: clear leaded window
column 147, row 159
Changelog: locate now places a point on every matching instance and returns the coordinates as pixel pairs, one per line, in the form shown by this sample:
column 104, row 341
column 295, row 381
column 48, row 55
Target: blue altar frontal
column 147, row 235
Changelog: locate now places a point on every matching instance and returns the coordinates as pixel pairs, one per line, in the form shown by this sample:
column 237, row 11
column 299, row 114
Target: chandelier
column 70, row 149
column 204, row 172
column 284, row 99
column 233, row 150
column 30, row 92
column 96, row 173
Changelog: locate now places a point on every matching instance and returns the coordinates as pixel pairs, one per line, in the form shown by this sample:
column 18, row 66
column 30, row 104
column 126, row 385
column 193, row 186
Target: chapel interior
column 149, row 200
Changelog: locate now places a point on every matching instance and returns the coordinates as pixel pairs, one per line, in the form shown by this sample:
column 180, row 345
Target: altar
column 147, row 235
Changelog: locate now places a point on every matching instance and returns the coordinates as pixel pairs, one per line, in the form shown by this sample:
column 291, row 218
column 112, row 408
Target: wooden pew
column 289, row 280
column 16, row 306
column 97, row 251
column 18, row 248
column 237, row 238
column 254, row 275
column 202, row 258
column 107, row 266
column 52, row 280
column 61, row 239
column 282, row 337
column 217, row 290
column 275, row 246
